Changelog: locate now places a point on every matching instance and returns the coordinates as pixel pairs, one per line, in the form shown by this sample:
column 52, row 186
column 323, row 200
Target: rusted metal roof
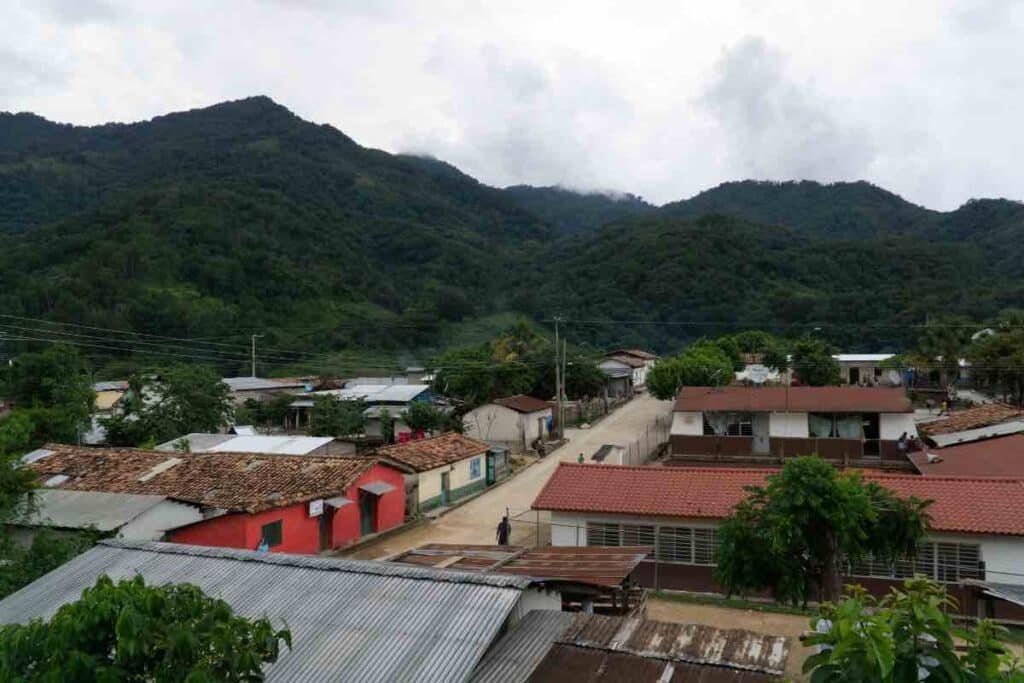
column 600, row 648
column 599, row 566
column 557, row 647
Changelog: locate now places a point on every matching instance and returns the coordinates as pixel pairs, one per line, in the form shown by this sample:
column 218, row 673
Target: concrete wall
column 687, row 423
column 461, row 481
column 892, row 425
column 495, row 423
column 1003, row 555
column 788, row 425
column 535, row 598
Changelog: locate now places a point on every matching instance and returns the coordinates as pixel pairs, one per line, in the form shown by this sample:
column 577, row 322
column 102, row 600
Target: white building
column 514, row 422
column 867, row 369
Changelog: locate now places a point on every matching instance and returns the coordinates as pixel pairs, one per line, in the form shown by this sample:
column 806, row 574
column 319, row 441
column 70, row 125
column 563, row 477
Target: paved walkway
column 476, row 521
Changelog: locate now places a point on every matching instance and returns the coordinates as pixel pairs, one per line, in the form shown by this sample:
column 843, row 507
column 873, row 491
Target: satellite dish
column 894, row 377
column 758, row 374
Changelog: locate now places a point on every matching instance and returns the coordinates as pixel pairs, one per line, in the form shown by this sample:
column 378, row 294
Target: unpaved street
column 475, row 521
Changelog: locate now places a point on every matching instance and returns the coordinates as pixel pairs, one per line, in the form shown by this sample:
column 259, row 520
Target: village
column 536, row 537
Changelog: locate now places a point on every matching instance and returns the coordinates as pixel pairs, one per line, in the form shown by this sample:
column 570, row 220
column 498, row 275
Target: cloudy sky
column 662, row 99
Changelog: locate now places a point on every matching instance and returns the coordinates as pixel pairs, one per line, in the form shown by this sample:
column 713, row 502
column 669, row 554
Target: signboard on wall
column 316, row 507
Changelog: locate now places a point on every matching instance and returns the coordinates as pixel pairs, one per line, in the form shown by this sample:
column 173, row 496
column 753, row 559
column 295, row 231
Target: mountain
column 242, row 215
column 571, row 212
column 241, row 218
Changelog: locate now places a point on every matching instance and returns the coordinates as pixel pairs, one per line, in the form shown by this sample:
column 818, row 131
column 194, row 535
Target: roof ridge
column 669, row 468
column 371, row 567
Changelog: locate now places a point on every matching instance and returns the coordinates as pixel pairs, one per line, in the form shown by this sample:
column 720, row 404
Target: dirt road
column 475, row 522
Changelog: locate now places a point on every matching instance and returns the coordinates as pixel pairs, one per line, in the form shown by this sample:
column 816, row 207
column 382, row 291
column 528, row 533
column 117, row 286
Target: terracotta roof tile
column 522, row 403
column 626, row 359
column 961, row 504
column 636, row 353
column 233, row 481
column 426, row 454
column 971, row 418
column 999, row 457
column 799, row 399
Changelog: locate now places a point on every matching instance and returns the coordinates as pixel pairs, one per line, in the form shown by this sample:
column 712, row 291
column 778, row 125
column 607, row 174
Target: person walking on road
column 504, row 528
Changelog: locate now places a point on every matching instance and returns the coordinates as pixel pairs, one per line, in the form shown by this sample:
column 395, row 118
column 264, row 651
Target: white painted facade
column 497, row 424
column 797, row 425
column 1003, row 555
column 463, row 473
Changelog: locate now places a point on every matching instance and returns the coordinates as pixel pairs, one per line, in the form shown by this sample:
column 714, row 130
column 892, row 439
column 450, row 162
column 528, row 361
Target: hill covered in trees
column 242, row 218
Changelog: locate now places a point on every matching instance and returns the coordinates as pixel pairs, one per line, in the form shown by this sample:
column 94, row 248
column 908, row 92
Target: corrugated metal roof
column 198, row 442
column 259, row 384
column 862, row 357
column 82, row 509
column 1010, row 592
column 350, row 620
column 517, row 654
column 969, row 435
column 282, row 445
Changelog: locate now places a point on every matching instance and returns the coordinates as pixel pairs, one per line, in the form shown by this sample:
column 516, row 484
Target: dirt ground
column 751, row 620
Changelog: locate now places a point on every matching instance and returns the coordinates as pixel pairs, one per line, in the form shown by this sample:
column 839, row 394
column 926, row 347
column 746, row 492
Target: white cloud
column 659, row 98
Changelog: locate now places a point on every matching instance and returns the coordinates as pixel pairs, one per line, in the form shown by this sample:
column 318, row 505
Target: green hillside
column 242, row 218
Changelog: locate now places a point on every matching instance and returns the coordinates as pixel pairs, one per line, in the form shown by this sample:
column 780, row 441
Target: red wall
column 300, row 532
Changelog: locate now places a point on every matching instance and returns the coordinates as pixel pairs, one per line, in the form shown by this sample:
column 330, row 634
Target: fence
column 648, row 442
column 586, row 410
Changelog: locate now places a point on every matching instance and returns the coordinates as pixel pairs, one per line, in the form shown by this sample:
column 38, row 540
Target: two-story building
column 848, row 425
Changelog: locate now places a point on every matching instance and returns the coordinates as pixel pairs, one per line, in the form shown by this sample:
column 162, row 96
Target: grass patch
column 731, row 603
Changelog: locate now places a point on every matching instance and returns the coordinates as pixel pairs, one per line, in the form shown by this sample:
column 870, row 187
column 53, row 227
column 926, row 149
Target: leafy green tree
column 47, row 551
column 182, row 399
column 52, row 390
column 997, row 362
column 944, row 342
column 813, row 363
column 701, row 365
column 424, row 417
column 387, row 426
column 906, row 636
column 269, row 414
column 332, row 416
column 128, row 631
column 790, row 535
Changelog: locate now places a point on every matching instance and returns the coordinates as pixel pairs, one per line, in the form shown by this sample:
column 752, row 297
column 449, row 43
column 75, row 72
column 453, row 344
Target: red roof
column 522, row 403
column 999, row 457
column 797, row 399
column 428, row 454
column 961, row 504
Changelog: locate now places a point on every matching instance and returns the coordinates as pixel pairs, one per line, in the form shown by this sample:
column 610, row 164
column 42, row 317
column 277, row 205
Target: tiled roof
column 522, row 403
column 798, row 399
column 971, row 418
column 636, row 353
column 426, row 454
column 244, row 482
column 999, row 457
column 961, row 504
column 625, row 359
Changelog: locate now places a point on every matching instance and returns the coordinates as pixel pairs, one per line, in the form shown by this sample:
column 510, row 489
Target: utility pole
column 558, row 383
column 561, row 398
column 254, row 338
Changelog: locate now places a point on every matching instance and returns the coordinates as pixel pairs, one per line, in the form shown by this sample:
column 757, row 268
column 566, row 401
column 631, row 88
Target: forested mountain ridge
column 242, row 218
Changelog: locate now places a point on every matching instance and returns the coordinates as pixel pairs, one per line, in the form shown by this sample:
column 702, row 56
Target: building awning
column 377, row 488
column 1004, row 591
column 337, row 502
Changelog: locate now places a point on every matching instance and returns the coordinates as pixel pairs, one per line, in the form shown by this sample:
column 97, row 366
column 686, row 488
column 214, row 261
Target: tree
column 701, row 365
column 943, row 342
column 52, row 391
column 270, row 414
column 813, row 363
column 182, row 399
column 791, row 535
column 423, row 417
column 906, row 636
column 997, row 361
column 332, row 416
column 387, row 426
column 129, row 631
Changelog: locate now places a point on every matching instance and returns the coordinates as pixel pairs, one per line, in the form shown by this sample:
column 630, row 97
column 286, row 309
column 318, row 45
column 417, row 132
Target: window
column 835, row 425
column 945, row 562
column 728, row 424
column 272, row 533
column 474, row 468
column 682, row 545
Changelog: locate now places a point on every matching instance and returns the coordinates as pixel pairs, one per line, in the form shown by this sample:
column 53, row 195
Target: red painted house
column 295, row 504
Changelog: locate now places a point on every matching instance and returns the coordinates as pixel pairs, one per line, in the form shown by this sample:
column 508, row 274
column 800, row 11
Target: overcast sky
column 662, row 99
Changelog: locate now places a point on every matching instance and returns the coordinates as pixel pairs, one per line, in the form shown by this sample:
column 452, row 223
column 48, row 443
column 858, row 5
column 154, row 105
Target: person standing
column 580, row 459
column 504, row 528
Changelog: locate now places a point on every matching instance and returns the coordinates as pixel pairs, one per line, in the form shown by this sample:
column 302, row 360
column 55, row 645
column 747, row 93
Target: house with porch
column 847, row 425
column 867, row 369
column 445, row 468
column 297, row 504
column 976, row 532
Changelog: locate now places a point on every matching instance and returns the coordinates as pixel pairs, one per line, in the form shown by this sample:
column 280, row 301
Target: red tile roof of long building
column 999, row 457
column 233, row 481
column 797, row 399
column 961, row 504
